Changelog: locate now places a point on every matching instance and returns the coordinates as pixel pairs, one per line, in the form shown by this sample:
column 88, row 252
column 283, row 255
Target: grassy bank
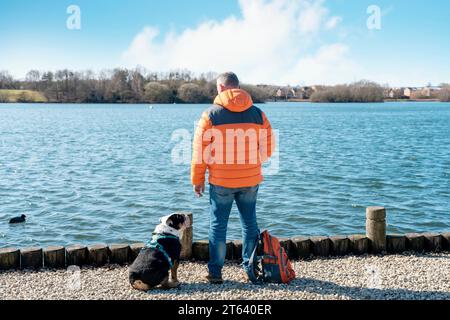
column 13, row 96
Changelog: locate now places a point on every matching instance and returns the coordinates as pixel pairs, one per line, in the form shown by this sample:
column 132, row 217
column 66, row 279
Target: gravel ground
column 404, row 276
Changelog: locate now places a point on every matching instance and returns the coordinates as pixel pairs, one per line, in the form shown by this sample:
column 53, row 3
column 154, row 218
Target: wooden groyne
column 375, row 241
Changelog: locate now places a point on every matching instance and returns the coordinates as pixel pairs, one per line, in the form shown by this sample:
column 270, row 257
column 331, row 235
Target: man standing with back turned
column 232, row 140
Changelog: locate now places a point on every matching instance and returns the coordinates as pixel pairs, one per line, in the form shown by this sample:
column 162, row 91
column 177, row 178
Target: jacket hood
column 235, row 100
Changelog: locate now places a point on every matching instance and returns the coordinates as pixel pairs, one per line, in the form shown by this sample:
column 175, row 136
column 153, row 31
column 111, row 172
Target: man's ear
column 221, row 88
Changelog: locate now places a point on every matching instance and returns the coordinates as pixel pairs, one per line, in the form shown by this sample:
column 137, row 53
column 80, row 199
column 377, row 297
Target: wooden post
column 395, row 243
column 55, row 257
column 200, row 250
column 98, row 255
column 321, row 246
column 186, row 239
column 119, row 253
column 289, row 247
column 9, row 258
column 446, row 241
column 433, row 242
column 237, row 250
column 376, row 228
column 229, row 254
column 303, row 246
column 340, row 245
column 31, row 258
column 76, row 255
column 359, row 244
column 415, row 242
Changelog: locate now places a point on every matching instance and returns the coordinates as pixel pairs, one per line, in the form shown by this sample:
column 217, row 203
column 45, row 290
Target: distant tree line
column 122, row 86
column 362, row 91
column 141, row 86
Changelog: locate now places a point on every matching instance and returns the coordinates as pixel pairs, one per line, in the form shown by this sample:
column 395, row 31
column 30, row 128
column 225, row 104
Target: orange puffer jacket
column 232, row 140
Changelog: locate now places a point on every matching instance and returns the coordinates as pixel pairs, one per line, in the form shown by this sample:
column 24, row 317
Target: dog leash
column 153, row 244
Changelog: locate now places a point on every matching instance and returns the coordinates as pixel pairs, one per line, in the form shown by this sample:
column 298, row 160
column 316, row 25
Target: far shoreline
column 265, row 102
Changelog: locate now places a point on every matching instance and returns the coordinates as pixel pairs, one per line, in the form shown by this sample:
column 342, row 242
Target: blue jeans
column 221, row 200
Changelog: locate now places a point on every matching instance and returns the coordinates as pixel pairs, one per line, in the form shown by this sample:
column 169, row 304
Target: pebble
column 406, row 276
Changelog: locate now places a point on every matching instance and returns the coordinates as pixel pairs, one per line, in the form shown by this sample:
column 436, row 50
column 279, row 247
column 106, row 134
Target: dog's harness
column 153, row 244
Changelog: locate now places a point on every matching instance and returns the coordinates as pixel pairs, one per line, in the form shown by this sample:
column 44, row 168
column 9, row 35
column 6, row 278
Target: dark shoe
column 214, row 280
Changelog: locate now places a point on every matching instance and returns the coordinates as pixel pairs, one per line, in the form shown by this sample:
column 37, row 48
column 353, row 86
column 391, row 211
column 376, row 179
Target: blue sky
column 272, row 41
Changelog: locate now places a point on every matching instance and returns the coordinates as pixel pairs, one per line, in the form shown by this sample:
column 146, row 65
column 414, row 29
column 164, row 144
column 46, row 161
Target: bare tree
column 362, row 91
column 33, row 78
column 258, row 94
column 158, row 93
column 137, row 85
column 6, row 80
column 191, row 93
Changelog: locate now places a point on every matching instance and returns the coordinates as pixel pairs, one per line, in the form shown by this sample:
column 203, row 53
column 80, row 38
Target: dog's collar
column 164, row 228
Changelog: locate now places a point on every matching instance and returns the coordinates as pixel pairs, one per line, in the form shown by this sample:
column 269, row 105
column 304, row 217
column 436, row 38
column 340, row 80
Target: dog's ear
column 176, row 221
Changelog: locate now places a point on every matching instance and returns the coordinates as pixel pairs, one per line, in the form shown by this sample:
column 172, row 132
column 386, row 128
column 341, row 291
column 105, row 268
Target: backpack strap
column 253, row 263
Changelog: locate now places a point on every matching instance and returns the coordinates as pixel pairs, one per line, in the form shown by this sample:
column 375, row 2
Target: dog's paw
column 139, row 285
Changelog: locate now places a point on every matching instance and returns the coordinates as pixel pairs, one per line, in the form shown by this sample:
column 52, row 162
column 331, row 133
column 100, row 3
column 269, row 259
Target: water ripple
column 103, row 174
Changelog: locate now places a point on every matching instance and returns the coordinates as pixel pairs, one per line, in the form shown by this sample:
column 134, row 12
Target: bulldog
column 159, row 256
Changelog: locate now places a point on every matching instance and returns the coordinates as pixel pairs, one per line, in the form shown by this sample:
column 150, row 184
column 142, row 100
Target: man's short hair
column 228, row 79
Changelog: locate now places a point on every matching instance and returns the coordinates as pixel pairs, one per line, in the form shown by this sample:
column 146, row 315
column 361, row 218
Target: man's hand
column 199, row 190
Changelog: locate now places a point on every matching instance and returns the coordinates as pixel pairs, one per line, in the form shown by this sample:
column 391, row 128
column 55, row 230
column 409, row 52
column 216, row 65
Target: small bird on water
column 20, row 219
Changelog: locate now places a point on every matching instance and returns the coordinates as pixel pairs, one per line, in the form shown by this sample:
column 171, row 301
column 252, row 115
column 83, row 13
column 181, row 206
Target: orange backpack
column 275, row 264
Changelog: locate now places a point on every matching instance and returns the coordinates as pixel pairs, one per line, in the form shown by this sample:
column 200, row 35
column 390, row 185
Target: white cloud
column 311, row 16
column 271, row 43
column 330, row 62
column 333, row 22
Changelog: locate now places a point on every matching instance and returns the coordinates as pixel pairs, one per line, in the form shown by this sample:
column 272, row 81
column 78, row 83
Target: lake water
column 104, row 173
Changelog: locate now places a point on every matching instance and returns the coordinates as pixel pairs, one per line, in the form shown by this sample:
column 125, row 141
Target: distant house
column 292, row 92
column 426, row 92
column 302, row 93
column 390, row 93
column 430, row 91
column 286, row 93
column 394, row 93
column 279, row 93
column 407, row 92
